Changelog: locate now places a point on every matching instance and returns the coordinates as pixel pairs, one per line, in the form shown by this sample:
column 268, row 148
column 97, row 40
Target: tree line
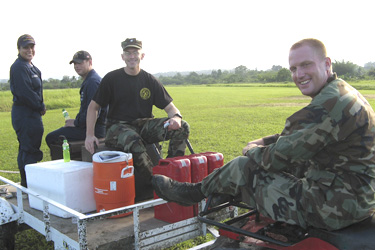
column 65, row 83
column 241, row 74
column 346, row 70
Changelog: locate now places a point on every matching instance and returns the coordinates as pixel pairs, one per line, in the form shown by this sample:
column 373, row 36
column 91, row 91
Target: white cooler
column 68, row 183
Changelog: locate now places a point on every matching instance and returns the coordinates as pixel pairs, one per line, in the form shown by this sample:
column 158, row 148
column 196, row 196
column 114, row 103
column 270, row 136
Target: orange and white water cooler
column 114, row 184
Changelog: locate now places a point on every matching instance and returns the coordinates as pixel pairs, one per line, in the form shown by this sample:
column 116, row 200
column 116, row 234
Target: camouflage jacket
column 330, row 139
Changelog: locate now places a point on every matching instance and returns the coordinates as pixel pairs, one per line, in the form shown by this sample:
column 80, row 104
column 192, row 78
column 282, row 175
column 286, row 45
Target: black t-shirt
column 131, row 97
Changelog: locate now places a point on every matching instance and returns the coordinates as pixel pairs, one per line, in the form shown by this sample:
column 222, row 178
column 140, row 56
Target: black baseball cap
column 80, row 56
column 24, row 40
column 131, row 43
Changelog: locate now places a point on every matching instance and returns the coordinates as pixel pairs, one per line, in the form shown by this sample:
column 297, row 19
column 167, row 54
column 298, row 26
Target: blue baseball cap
column 24, row 40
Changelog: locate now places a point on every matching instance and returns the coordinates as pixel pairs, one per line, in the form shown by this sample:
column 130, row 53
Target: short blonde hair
column 317, row 45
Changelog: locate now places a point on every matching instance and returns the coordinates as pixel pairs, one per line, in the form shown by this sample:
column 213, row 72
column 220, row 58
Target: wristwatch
column 178, row 115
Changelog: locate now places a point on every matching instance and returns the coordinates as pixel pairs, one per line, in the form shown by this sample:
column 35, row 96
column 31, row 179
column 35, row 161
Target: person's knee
column 51, row 138
column 48, row 139
column 186, row 128
column 182, row 133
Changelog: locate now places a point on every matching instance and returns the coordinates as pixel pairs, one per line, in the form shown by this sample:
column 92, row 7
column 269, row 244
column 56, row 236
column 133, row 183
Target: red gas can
column 214, row 160
column 178, row 169
column 199, row 170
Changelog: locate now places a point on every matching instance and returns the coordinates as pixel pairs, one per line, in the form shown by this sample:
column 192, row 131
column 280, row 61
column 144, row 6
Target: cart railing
column 152, row 239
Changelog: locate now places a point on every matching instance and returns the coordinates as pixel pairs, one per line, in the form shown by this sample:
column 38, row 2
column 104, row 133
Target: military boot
column 183, row 193
column 142, row 176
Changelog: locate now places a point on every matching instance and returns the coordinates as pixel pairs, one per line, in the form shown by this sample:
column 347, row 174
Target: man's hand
column 89, row 143
column 69, row 123
column 174, row 123
column 43, row 112
column 252, row 144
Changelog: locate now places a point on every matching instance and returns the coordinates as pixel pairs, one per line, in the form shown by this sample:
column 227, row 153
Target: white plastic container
column 111, row 156
column 68, row 183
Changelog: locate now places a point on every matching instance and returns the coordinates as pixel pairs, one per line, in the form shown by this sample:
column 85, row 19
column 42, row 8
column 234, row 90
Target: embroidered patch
column 145, row 93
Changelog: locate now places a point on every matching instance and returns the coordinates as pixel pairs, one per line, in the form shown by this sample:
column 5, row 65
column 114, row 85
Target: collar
column 332, row 77
column 23, row 60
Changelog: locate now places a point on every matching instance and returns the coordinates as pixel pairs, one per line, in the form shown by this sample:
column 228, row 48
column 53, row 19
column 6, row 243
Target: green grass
column 53, row 99
column 222, row 118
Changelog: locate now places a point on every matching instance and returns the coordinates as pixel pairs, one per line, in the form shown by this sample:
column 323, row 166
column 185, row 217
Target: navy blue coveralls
column 27, row 90
column 78, row 132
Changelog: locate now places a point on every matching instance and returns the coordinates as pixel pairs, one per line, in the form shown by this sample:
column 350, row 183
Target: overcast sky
column 181, row 35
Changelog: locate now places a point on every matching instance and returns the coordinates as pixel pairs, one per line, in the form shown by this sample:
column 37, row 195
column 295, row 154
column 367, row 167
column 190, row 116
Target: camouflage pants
column 282, row 196
column 132, row 137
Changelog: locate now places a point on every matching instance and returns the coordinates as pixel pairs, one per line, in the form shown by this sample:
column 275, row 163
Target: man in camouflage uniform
column 320, row 171
column 131, row 94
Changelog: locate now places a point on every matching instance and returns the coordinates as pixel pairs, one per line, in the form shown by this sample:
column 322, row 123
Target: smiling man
column 310, row 67
column 319, row 172
column 75, row 129
column 131, row 94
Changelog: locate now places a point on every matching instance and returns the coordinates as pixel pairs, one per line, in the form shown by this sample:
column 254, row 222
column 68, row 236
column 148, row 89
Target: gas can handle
column 123, row 175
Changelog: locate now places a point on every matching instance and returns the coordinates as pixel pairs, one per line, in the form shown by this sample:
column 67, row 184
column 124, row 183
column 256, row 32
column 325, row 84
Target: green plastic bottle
column 66, row 151
column 65, row 114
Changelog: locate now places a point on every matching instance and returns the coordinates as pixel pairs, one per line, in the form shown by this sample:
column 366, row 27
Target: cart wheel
column 7, row 235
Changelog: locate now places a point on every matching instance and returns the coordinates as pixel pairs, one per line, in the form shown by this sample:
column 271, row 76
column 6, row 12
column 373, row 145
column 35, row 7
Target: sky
column 181, row 35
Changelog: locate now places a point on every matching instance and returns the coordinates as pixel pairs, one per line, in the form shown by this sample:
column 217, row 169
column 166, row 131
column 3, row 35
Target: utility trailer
column 96, row 231
column 142, row 231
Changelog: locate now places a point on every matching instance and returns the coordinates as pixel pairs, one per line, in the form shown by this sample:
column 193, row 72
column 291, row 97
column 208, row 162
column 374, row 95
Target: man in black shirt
column 131, row 94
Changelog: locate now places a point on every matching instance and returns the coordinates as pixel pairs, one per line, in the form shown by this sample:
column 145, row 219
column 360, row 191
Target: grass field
column 222, row 118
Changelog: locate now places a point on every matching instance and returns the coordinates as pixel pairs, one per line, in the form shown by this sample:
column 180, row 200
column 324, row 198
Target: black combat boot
column 183, row 193
column 142, row 176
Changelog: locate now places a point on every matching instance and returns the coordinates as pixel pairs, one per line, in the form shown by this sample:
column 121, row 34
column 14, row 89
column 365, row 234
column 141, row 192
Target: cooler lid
column 111, row 156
